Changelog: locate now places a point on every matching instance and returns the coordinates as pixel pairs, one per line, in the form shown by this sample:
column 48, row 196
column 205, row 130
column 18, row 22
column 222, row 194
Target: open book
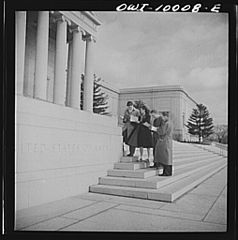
column 133, row 118
column 153, row 128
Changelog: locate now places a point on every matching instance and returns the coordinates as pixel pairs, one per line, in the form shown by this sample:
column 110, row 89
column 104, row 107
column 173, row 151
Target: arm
column 147, row 122
column 164, row 130
column 168, row 129
column 161, row 130
column 126, row 117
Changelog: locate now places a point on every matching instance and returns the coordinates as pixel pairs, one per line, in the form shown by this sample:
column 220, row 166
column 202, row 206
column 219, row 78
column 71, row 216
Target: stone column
column 76, row 71
column 20, row 41
column 88, row 79
column 60, row 62
column 42, row 41
column 69, row 73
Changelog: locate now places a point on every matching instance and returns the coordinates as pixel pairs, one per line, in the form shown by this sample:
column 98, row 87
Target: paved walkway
column 201, row 210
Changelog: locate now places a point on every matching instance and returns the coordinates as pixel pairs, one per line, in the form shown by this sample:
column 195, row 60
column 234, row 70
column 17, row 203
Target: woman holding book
column 144, row 133
column 130, row 133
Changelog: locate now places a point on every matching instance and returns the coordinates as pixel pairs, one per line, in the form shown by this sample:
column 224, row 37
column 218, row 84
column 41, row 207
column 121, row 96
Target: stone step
column 147, row 172
column 126, row 159
column 188, row 183
column 193, row 155
column 194, row 158
column 157, row 181
column 168, row 193
column 140, row 173
column 186, row 152
column 130, row 166
column 185, row 147
column 190, row 162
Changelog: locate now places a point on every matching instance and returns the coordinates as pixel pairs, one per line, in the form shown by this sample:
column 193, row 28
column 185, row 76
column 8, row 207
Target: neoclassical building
column 61, row 149
column 58, row 48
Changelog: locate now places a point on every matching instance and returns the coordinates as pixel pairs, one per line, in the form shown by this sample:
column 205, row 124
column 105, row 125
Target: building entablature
column 154, row 89
column 87, row 21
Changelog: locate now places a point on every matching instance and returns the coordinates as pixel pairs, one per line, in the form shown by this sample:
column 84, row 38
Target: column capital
column 89, row 38
column 76, row 28
column 60, row 17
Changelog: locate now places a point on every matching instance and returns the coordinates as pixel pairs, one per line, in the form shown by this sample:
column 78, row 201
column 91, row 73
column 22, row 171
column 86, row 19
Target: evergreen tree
column 99, row 98
column 200, row 123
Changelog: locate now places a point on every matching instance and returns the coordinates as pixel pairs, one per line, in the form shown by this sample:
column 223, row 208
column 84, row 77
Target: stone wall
column 60, row 151
column 163, row 98
column 113, row 98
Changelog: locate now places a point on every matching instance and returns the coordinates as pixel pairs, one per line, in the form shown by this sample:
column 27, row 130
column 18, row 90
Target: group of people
column 149, row 129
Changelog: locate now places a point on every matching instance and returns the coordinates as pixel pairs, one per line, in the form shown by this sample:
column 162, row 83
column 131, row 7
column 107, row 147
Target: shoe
column 129, row 155
column 164, row 175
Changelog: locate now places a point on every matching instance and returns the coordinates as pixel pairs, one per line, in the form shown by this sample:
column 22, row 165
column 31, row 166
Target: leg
column 148, row 159
column 132, row 150
column 154, row 156
column 141, row 153
column 148, row 153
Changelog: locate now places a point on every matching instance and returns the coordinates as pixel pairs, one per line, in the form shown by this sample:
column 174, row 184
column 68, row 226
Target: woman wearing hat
column 144, row 133
column 130, row 132
column 163, row 145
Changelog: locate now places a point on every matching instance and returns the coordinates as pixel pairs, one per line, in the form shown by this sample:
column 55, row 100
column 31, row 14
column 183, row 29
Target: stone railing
column 218, row 148
column 222, row 148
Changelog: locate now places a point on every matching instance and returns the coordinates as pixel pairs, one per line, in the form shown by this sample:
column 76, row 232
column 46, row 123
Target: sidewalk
column 203, row 209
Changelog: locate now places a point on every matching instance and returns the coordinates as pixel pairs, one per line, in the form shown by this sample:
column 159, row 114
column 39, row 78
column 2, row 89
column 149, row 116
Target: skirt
column 130, row 134
column 144, row 137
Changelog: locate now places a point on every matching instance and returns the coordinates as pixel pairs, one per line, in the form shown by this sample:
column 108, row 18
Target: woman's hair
column 165, row 114
column 154, row 111
column 147, row 111
column 158, row 121
column 129, row 103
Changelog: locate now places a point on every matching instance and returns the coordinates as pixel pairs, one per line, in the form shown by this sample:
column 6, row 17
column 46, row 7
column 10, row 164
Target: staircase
column 191, row 166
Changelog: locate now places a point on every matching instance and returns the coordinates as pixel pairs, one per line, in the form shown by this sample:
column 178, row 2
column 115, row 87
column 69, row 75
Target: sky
column 136, row 49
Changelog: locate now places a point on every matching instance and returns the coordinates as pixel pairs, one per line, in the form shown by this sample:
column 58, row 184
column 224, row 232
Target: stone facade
column 172, row 99
column 113, row 98
column 60, row 149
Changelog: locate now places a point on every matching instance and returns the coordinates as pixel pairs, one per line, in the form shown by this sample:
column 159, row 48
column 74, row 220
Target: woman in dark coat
column 144, row 133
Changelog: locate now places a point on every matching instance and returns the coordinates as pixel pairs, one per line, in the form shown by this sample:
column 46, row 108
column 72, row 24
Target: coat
column 163, row 144
column 130, row 129
column 144, row 133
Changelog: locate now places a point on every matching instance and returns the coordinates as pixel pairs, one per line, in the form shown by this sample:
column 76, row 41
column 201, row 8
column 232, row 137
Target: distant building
column 171, row 98
column 113, row 98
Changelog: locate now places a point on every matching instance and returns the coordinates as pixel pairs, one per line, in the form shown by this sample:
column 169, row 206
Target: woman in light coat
column 163, row 147
column 130, row 128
